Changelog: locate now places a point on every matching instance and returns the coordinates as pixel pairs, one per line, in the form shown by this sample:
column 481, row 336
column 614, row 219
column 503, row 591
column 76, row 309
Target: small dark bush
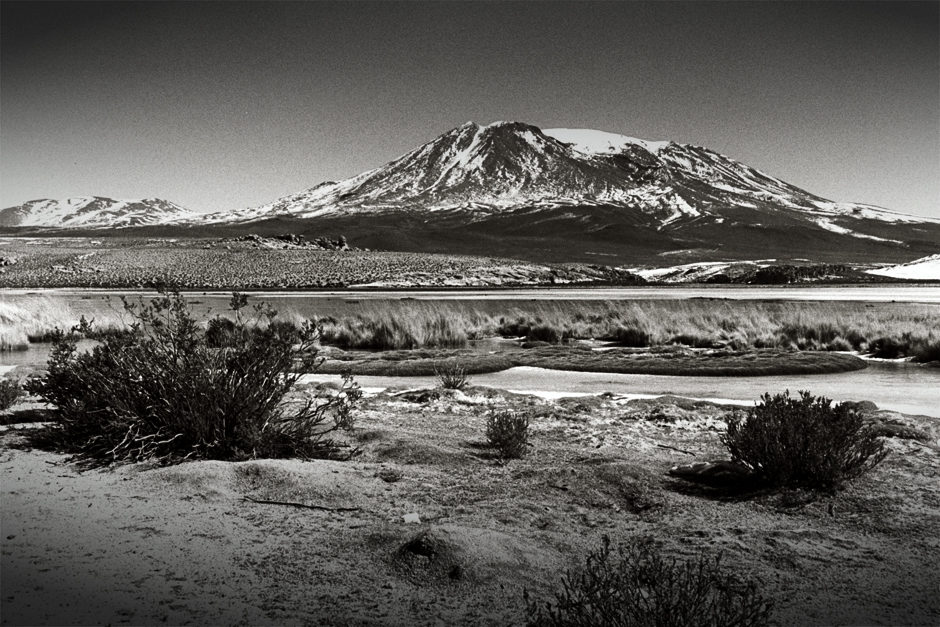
column 167, row 394
column 508, row 433
column 451, row 375
column 283, row 329
column 887, row 348
column 855, row 338
column 694, row 341
column 927, row 352
column 631, row 337
column 220, row 332
column 9, row 392
column 803, row 441
column 544, row 333
column 636, row 585
column 515, row 328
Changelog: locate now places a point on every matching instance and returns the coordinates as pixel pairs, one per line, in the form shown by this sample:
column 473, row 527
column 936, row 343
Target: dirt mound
column 450, row 554
column 615, row 485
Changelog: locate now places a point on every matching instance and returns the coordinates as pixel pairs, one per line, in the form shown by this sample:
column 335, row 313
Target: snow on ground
column 835, row 228
column 699, row 271
column 924, row 269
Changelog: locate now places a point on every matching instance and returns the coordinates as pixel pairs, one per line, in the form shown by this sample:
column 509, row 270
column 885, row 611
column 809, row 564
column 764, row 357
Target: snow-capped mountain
column 512, row 189
column 95, row 212
column 503, row 166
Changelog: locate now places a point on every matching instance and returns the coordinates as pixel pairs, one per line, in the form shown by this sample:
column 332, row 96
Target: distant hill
column 94, row 212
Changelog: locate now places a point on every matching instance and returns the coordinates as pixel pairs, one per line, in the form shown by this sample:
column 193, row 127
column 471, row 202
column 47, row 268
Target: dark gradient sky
column 226, row 105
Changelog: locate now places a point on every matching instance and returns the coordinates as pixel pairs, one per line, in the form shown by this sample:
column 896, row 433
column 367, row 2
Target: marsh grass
column 882, row 329
column 33, row 319
column 394, row 330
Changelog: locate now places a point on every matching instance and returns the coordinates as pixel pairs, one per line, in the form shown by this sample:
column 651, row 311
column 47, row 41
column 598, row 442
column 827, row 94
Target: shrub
column 220, row 332
column 887, row 348
column 515, row 328
column 451, row 375
column 167, row 394
column 636, row 585
column 803, row 441
column 632, row 337
column 544, row 333
column 927, row 351
column 694, row 341
column 9, row 392
column 508, row 433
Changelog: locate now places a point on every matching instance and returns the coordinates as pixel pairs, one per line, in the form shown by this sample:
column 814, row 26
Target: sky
column 226, row 105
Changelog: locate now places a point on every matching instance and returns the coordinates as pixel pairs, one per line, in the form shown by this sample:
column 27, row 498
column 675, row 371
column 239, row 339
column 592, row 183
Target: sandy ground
column 180, row 545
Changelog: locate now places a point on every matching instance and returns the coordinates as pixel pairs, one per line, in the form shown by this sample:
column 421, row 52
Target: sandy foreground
column 143, row 544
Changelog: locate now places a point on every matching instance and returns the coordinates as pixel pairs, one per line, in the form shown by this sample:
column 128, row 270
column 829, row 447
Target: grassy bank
column 665, row 362
column 888, row 330
column 883, row 329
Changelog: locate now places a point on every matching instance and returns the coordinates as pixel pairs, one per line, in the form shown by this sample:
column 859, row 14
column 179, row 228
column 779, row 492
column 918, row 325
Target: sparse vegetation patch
column 452, row 375
column 9, row 392
column 508, row 433
column 637, row 585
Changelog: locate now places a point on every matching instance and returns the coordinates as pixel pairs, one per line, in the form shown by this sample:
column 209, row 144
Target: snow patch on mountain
column 835, row 228
column 924, row 269
column 868, row 212
column 593, row 142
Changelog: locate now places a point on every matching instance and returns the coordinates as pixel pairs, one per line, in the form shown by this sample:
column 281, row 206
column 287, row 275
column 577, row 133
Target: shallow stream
column 899, row 386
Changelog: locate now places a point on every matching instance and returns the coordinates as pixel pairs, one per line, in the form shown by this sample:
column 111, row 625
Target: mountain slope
column 510, row 165
column 95, row 212
column 512, row 188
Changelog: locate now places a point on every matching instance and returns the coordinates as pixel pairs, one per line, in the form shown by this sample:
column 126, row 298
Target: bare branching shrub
column 9, row 392
column 508, row 433
column 451, row 375
column 165, row 392
column 803, row 441
column 637, row 586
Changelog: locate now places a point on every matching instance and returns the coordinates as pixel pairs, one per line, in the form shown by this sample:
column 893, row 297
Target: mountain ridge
column 537, row 189
column 94, row 212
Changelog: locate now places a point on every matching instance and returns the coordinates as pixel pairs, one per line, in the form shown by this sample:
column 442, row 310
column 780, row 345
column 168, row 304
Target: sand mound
column 448, row 554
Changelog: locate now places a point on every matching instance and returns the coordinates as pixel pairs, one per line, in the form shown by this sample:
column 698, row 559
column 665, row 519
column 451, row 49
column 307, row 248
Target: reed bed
column 884, row 329
column 31, row 319
column 889, row 330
